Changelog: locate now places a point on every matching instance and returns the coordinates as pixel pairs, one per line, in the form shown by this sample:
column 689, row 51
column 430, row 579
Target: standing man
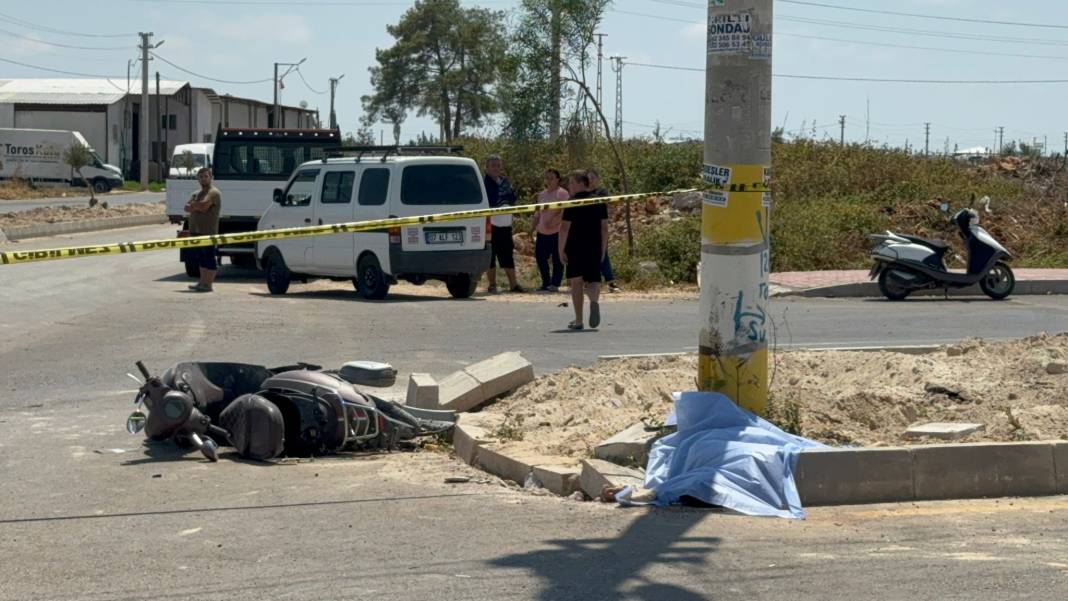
column 547, row 225
column 583, row 244
column 203, row 208
column 606, row 265
column 500, row 194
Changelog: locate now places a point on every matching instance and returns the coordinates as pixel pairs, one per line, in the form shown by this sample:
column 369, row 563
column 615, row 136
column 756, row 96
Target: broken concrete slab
column 631, row 446
column 459, row 392
column 1060, row 466
column 562, row 480
column 501, row 374
column 514, row 468
column 471, row 433
column 423, row 391
column 597, row 473
column 850, row 476
column 969, row 471
column 943, row 430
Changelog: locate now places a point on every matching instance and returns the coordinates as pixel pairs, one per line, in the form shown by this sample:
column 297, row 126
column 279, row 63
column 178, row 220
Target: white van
column 201, row 153
column 340, row 190
column 36, row 155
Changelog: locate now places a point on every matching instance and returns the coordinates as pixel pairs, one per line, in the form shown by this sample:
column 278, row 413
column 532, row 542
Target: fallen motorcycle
column 296, row 410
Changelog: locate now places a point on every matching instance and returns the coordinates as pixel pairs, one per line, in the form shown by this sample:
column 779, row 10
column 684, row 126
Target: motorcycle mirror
column 210, row 450
column 944, row 207
column 134, row 378
column 136, row 422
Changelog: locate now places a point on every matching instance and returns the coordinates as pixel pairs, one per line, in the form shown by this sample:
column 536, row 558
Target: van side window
column 373, row 187
column 444, row 184
column 337, row 187
column 300, row 191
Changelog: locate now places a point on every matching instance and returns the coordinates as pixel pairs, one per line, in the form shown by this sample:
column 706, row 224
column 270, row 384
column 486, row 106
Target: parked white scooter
column 905, row 264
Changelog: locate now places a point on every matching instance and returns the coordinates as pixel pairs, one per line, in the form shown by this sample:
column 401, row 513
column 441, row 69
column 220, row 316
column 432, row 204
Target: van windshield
column 440, row 185
column 199, row 160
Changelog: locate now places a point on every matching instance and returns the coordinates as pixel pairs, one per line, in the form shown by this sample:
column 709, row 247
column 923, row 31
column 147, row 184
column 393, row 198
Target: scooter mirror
column 944, row 207
column 210, row 450
column 136, row 422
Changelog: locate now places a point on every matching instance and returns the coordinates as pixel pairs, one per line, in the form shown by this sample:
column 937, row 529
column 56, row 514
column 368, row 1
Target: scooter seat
column 938, row 246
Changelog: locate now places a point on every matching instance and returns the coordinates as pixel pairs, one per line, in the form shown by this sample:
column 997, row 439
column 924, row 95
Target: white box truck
column 36, row 155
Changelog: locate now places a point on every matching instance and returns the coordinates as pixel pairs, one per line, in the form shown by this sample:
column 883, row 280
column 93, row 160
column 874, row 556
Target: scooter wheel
column 890, row 288
column 999, row 282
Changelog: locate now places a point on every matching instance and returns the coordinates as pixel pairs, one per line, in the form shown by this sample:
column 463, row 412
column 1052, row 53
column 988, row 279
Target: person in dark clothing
column 606, row 265
column 583, row 243
column 500, row 194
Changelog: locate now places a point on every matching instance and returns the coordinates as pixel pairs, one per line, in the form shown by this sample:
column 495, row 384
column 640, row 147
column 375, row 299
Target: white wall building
column 109, row 117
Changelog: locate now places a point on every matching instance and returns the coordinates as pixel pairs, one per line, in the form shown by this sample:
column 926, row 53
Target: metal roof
column 75, row 91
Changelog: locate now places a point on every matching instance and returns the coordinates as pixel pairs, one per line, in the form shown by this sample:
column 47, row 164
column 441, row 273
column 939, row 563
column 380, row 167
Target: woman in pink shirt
column 547, row 225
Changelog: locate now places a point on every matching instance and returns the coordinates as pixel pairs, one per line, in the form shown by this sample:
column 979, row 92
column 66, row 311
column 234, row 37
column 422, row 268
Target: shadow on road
column 619, row 568
column 235, row 275
column 351, row 296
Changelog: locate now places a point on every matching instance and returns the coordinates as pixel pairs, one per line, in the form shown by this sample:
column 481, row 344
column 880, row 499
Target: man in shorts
column 583, row 243
column 203, row 208
column 499, row 192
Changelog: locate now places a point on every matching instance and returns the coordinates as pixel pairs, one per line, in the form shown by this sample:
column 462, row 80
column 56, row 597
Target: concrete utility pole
column 735, row 231
column 841, row 134
column 617, row 66
column 278, row 121
column 926, row 139
column 1066, row 143
column 600, row 59
column 1001, row 139
column 159, row 131
column 333, row 90
column 143, row 143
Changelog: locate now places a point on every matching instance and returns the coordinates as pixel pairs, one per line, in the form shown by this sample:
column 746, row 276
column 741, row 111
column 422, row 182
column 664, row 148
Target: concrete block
column 501, row 374
column 466, row 441
column 562, row 479
column 943, row 430
column 964, row 471
column 629, row 446
column 509, row 467
column 422, row 391
column 597, row 473
column 849, row 476
column 459, row 392
column 1060, row 466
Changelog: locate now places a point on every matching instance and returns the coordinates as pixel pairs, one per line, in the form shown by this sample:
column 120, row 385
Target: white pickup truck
column 248, row 165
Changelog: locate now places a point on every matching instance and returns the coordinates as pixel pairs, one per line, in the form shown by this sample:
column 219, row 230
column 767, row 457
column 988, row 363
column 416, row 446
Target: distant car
column 340, row 190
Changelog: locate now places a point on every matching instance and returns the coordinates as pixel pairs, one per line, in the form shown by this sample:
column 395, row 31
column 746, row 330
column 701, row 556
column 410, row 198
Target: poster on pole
column 730, row 33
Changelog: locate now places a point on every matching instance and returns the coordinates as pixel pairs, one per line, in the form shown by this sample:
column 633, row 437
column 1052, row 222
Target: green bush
column 675, row 247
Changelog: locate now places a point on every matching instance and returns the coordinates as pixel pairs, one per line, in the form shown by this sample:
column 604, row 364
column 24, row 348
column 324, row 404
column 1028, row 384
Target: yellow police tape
column 54, row 254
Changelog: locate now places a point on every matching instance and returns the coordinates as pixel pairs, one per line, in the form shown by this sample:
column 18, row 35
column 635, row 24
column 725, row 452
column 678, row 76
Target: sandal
column 575, row 326
column 595, row 315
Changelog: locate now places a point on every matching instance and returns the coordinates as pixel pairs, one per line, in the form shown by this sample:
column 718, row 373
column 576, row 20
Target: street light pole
column 735, row 248
column 333, row 88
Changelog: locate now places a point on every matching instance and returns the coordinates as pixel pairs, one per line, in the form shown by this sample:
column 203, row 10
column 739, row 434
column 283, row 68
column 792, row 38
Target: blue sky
column 240, row 39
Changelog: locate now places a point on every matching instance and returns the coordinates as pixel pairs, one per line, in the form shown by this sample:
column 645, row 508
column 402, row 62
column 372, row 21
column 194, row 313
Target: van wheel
column 192, row 269
column 462, row 285
column 370, row 282
column 278, row 275
column 101, row 186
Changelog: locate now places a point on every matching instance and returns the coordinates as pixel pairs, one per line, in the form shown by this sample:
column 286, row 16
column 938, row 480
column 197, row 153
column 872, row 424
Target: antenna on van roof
column 359, row 151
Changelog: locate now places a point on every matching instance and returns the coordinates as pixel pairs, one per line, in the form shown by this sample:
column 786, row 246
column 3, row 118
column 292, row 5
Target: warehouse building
column 109, row 116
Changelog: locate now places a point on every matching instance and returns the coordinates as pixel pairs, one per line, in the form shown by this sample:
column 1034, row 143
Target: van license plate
column 452, row 235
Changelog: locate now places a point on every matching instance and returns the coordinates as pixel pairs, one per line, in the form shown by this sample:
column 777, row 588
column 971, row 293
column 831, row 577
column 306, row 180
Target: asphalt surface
column 124, row 198
column 88, row 512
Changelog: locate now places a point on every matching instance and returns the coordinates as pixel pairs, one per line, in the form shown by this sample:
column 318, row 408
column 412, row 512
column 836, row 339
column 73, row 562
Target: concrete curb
column 871, row 289
column 932, row 472
column 75, row 227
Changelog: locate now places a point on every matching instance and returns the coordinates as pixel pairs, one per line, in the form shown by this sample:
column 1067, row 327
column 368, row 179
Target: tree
column 78, row 156
column 552, row 37
column 445, row 63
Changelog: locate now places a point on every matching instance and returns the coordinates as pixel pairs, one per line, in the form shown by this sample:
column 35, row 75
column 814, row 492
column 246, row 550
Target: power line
column 24, row 23
column 914, row 15
column 874, row 79
column 58, row 45
column 308, row 85
column 925, row 48
column 60, row 71
column 195, row 74
column 923, row 32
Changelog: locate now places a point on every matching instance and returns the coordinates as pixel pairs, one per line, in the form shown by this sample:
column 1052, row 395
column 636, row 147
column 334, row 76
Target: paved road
column 70, row 329
column 10, row 206
column 79, row 521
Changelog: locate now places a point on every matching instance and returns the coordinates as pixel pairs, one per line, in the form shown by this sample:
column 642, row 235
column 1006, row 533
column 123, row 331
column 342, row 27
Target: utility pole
column 617, row 66
column 1001, row 139
column 554, row 67
column 735, row 231
column 278, row 121
column 867, row 122
column 333, row 90
column 1066, row 143
column 600, row 59
column 143, row 143
column 926, row 139
column 841, row 135
column 159, row 131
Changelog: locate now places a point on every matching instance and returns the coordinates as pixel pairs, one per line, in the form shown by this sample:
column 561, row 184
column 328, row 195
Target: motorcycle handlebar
column 144, row 371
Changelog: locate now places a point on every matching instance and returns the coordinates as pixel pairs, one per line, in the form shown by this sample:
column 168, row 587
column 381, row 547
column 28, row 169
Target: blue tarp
column 726, row 456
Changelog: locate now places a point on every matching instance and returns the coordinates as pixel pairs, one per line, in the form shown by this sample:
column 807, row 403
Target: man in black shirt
column 606, row 265
column 583, row 243
column 499, row 192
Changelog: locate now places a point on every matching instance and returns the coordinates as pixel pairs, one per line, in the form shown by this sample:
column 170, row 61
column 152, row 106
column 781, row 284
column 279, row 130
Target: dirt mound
column 836, row 397
column 65, row 213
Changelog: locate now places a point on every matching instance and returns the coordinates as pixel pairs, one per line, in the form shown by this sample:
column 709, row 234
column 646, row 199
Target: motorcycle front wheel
column 890, row 288
column 999, row 282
